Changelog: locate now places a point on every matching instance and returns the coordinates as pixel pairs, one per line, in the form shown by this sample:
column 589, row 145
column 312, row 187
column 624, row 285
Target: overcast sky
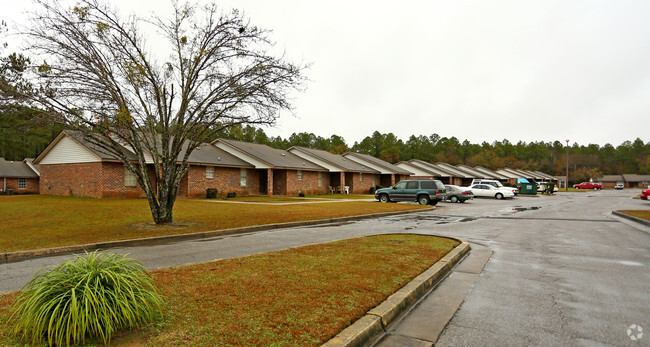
column 477, row 70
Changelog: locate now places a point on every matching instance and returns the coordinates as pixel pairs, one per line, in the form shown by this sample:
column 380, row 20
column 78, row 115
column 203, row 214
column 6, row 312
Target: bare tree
column 99, row 77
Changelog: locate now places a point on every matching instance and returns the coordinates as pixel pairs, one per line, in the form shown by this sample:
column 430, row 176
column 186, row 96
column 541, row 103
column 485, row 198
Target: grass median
column 643, row 214
column 36, row 221
column 300, row 296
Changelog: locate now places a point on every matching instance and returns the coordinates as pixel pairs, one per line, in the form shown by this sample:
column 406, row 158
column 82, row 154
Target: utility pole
column 566, row 186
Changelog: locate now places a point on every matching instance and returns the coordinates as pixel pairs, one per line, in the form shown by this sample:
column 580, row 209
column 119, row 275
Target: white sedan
column 486, row 190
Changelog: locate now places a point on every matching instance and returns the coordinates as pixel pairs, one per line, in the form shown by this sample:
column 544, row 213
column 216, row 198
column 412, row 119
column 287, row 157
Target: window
column 360, row 176
column 209, row 172
column 373, row 181
column 129, row 178
column 400, row 185
column 22, row 183
column 320, row 179
column 429, row 185
column 299, row 175
column 243, row 177
column 412, row 185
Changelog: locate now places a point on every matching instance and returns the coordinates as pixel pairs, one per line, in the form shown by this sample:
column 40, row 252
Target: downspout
column 4, row 184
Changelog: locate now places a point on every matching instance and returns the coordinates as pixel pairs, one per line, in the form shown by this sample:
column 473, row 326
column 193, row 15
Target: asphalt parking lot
column 563, row 271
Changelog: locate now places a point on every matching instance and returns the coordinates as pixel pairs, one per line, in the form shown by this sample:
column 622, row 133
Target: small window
column 243, row 177
column 412, row 185
column 129, row 178
column 373, row 181
column 400, row 185
column 22, row 183
column 320, row 179
column 299, row 174
column 360, row 176
column 209, row 172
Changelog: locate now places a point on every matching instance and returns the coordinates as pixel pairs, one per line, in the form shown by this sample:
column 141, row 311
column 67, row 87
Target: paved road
column 563, row 270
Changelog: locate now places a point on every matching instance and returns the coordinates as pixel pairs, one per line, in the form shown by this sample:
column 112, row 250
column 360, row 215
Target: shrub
column 372, row 190
column 211, row 193
column 232, row 194
column 379, row 186
column 301, row 194
column 87, row 297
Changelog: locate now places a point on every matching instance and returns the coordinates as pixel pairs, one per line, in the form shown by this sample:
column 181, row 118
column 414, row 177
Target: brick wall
column 31, row 185
column 279, row 182
column 308, row 184
column 113, row 182
column 80, row 179
column 225, row 180
column 357, row 186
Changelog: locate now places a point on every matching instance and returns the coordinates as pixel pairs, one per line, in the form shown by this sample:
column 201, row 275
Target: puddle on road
column 519, row 209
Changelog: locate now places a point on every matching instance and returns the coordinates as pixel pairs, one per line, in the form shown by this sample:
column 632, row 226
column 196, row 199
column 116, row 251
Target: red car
column 588, row 185
column 645, row 194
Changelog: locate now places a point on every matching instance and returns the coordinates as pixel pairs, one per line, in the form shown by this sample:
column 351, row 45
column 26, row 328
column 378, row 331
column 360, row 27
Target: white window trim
column 22, row 183
column 243, row 177
column 320, row 180
column 360, row 176
column 209, row 171
column 128, row 176
column 299, row 175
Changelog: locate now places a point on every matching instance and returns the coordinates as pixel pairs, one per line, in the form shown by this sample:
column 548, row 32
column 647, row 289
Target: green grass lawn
column 645, row 214
column 296, row 297
column 35, row 221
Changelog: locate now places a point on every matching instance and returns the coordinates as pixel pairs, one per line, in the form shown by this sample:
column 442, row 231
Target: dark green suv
column 425, row 192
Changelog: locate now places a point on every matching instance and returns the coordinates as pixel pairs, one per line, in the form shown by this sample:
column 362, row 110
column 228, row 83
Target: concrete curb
column 632, row 218
column 374, row 323
column 10, row 257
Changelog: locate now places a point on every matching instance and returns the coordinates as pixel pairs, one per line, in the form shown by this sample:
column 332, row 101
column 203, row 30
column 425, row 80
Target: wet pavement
column 563, row 270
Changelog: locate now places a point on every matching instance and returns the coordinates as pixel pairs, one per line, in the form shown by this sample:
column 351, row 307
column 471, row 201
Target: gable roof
column 437, row 171
column 16, row 169
column 636, row 178
column 490, row 174
column 377, row 164
column 332, row 159
column 454, row 170
column 612, row 178
column 274, row 158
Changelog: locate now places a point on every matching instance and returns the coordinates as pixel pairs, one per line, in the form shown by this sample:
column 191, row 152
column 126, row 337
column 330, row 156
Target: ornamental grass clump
column 87, row 297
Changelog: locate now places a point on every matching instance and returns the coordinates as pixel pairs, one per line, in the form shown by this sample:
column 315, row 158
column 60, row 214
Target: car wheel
column 454, row 199
column 384, row 198
column 595, row 188
column 423, row 200
column 499, row 196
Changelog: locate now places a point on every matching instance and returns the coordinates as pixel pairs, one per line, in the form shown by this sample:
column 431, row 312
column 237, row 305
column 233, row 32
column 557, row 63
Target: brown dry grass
column 645, row 214
column 35, row 221
column 297, row 297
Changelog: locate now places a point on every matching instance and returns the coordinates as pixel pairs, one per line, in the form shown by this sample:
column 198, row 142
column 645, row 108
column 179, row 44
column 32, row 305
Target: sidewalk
column 424, row 323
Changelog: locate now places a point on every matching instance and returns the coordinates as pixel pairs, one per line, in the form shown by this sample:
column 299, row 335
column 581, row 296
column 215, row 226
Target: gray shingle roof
column 378, row 162
column 16, row 169
column 490, row 174
column 612, row 178
column 428, row 167
column 636, row 178
column 334, row 159
column 277, row 158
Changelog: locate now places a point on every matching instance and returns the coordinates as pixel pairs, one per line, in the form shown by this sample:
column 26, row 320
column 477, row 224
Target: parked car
column 588, row 185
column 486, row 190
column 645, row 194
column 543, row 186
column 425, row 192
column 619, row 186
column 495, row 184
column 457, row 194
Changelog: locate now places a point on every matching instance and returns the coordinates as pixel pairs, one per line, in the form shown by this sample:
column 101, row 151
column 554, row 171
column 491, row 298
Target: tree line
column 585, row 161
